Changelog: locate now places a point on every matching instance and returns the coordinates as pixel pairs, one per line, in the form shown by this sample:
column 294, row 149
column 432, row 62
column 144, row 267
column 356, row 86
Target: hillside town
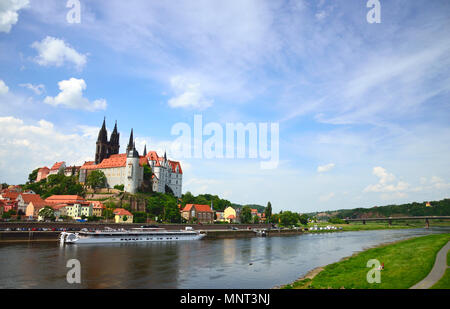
column 16, row 204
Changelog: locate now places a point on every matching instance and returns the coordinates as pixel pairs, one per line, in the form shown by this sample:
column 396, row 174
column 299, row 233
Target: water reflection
column 222, row 263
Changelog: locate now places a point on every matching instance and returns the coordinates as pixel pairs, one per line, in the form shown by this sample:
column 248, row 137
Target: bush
column 119, row 187
column 336, row 221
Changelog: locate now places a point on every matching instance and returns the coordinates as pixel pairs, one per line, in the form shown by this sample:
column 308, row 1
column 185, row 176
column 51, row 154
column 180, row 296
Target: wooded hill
column 435, row 208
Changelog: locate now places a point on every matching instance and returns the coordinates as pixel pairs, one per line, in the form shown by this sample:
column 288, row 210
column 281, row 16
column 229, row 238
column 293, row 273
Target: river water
column 223, row 263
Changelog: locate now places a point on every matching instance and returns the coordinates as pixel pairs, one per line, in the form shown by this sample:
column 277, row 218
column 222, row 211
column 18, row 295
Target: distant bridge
column 389, row 219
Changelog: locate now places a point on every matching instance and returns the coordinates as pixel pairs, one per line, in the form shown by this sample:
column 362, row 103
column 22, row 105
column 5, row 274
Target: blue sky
column 363, row 109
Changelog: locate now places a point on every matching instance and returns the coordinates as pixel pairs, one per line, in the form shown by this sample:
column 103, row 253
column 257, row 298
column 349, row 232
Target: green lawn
column 405, row 263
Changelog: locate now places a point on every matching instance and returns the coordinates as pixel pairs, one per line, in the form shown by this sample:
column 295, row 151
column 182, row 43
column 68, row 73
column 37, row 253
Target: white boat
column 129, row 236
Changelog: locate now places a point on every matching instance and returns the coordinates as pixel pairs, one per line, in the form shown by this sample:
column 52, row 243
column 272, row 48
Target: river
column 222, row 263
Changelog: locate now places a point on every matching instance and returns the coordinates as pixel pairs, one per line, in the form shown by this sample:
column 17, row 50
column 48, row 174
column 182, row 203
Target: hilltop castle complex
column 125, row 169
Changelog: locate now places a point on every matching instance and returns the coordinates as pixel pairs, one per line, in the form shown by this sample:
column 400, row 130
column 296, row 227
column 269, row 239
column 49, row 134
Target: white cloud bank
column 8, row 13
column 26, row 145
column 71, row 96
column 55, row 52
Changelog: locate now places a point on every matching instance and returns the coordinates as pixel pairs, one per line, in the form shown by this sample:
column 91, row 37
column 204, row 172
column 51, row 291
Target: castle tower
column 133, row 170
column 102, row 149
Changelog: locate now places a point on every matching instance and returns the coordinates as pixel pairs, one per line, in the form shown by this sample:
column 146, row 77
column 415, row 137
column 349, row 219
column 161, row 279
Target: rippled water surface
column 223, row 263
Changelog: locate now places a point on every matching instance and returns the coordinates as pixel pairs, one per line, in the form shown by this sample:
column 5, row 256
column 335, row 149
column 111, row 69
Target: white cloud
column 385, row 182
column 3, row 88
column 37, row 89
column 8, row 13
column 26, row 145
column 325, row 168
column 188, row 94
column 71, row 96
column 54, row 51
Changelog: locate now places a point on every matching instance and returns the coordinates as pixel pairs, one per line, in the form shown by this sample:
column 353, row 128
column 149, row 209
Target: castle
column 127, row 168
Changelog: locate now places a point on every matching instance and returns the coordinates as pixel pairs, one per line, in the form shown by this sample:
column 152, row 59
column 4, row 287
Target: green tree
column 47, row 213
column 171, row 212
column 147, row 172
column 32, row 177
column 303, row 219
column 246, row 215
column 268, row 211
column 289, row 218
column 256, row 219
column 96, row 179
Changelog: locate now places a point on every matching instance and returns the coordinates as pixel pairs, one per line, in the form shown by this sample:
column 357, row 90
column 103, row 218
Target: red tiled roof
column 57, row 165
column 116, row 160
column 35, row 198
column 198, row 207
column 152, row 155
column 174, row 165
column 87, row 163
column 57, row 199
column 121, row 212
column 97, row 204
column 231, row 217
column 42, row 169
column 11, row 195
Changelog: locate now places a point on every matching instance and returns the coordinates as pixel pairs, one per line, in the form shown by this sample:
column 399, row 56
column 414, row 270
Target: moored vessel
column 129, row 236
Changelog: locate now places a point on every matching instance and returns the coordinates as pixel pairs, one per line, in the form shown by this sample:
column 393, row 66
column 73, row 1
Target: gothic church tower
column 104, row 147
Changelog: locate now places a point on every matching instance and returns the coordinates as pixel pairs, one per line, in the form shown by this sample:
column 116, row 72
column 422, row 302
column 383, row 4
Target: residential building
column 33, row 208
column 24, row 199
column 97, row 208
column 122, row 216
column 229, row 214
column 203, row 213
column 77, row 210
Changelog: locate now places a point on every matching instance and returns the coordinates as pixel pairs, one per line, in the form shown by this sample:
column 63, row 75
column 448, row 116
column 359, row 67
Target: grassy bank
column 368, row 226
column 405, row 263
column 359, row 226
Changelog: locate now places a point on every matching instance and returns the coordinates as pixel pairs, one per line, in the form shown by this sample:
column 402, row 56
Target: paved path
column 437, row 272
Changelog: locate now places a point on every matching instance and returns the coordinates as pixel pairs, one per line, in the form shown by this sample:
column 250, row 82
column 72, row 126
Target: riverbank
column 37, row 236
column 405, row 263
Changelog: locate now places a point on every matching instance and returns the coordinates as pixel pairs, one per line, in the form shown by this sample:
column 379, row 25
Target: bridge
column 390, row 219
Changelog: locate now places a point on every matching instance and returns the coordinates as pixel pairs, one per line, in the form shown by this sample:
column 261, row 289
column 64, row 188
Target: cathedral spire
column 103, row 134
column 131, row 142
column 145, row 150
